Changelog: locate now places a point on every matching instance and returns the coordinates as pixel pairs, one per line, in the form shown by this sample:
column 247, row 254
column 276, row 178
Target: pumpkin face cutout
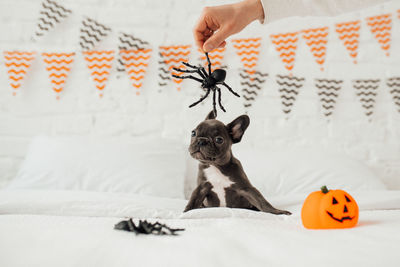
column 329, row 209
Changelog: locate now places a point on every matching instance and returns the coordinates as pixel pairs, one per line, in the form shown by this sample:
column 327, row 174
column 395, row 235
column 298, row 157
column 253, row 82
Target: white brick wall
column 120, row 112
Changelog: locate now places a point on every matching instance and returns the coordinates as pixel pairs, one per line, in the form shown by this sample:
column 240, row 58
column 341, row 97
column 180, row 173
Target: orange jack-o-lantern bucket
column 329, row 209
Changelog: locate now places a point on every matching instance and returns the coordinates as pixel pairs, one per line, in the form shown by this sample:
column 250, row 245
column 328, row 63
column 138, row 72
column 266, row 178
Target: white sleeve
column 279, row 9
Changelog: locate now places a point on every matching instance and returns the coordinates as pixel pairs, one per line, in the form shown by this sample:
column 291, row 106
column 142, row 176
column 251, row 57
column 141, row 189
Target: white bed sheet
column 66, row 228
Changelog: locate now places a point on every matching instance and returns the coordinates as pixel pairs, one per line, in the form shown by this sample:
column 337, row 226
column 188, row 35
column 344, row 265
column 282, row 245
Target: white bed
column 61, row 209
column 69, row 228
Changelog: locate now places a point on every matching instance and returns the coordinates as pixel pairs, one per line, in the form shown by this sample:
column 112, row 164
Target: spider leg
column 190, row 71
column 219, row 99
column 201, row 99
column 231, row 90
column 203, row 71
column 209, row 64
column 187, row 77
column 190, row 66
column 187, row 71
column 214, row 104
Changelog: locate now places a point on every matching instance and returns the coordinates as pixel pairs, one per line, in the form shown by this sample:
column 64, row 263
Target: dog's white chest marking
column 219, row 182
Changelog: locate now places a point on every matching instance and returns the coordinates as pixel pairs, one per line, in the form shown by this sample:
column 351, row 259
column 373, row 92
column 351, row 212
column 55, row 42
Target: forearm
column 279, row 9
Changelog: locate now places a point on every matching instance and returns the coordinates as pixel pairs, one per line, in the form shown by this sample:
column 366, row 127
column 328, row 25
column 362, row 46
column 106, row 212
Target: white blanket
column 82, row 234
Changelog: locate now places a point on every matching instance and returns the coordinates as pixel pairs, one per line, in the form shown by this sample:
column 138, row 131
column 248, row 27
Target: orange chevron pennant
column 216, row 57
column 136, row 62
column 349, row 33
column 381, row 27
column 17, row 64
column 248, row 49
column 58, row 67
column 286, row 46
column 99, row 64
column 317, row 40
column 173, row 57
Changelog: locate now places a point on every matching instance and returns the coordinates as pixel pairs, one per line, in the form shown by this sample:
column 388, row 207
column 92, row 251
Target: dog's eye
column 193, row 133
column 219, row 140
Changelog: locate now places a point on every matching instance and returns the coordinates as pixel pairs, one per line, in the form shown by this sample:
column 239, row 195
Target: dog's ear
column 211, row 115
column 237, row 128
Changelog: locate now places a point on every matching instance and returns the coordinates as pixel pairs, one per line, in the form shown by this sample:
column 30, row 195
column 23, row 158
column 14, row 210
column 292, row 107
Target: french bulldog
column 221, row 180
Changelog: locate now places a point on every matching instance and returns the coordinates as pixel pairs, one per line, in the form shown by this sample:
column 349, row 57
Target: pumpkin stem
column 324, row 189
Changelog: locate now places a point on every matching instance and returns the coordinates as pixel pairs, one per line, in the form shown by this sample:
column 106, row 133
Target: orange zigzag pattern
column 98, row 67
column 317, row 39
column 174, row 59
column 17, row 63
column 216, row 57
column 136, row 63
column 349, row 33
column 286, row 46
column 58, row 66
column 248, row 50
column 381, row 27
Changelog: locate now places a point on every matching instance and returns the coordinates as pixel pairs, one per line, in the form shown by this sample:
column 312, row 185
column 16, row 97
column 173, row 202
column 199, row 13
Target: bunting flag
column 172, row 57
column 58, row 67
column 248, row 50
column 394, row 87
column 99, row 64
column 136, row 63
column 366, row 91
column 328, row 92
column 163, row 71
column 317, row 40
column 349, row 33
column 51, row 14
column 289, row 87
column 286, row 46
column 251, row 86
column 17, row 64
column 92, row 33
column 129, row 42
column 216, row 57
column 381, row 27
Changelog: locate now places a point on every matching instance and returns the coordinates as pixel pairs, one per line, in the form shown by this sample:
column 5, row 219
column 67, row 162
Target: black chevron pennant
column 251, row 86
column 129, row 42
column 163, row 72
column 92, row 33
column 328, row 92
column 289, row 87
column 50, row 15
column 394, row 87
column 366, row 91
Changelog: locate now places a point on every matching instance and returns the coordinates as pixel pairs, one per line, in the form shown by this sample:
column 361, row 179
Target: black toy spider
column 208, row 82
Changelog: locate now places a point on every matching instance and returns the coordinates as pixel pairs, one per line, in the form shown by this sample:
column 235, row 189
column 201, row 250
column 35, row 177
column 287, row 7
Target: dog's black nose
column 202, row 141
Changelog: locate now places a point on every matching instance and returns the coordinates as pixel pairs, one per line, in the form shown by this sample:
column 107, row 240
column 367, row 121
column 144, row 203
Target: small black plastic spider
column 208, row 82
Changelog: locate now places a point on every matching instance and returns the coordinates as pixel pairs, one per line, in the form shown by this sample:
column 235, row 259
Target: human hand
column 219, row 22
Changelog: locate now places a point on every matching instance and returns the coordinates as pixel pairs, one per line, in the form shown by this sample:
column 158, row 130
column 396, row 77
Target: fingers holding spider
column 230, row 89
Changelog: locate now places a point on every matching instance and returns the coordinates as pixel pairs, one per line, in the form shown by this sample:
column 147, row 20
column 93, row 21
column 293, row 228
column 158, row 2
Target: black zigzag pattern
column 289, row 87
column 163, row 73
column 51, row 14
column 127, row 42
column 366, row 91
column 328, row 92
column 251, row 86
column 92, row 33
column 394, row 87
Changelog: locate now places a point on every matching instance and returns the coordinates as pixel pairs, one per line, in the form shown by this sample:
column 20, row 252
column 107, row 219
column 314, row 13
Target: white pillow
column 296, row 171
column 145, row 166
